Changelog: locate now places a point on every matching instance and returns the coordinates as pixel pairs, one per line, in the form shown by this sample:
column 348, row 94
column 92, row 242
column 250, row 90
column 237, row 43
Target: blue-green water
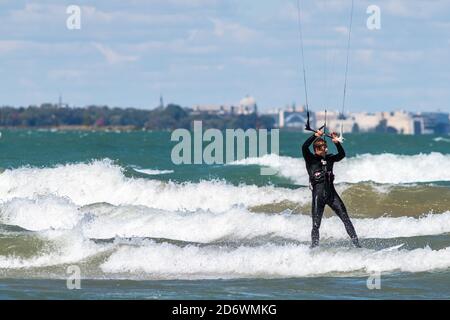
column 138, row 226
column 397, row 286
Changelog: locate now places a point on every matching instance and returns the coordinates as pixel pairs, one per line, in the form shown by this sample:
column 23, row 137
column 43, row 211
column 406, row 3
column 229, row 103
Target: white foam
column 103, row 181
column 441, row 139
column 39, row 214
column 382, row 168
column 239, row 224
column 153, row 172
column 70, row 243
column 66, row 247
column 104, row 221
column 167, row 261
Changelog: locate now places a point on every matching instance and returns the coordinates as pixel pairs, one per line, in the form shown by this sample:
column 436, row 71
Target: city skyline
column 216, row 52
column 61, row 102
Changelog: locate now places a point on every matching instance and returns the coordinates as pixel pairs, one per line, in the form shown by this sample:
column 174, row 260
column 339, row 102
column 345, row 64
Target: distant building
column 61, row 104
column 291, row 117
column 334, row 121
column 214, row 109
column 435, row 122
column 277, row 115
column 365, row 121
column 246, row 106
column 297, row 119
column 399, row 122
column 419, row 124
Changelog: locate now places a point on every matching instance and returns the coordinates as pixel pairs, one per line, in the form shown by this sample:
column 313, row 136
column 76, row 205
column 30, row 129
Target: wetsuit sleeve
column 305, row 148
column 340, row 155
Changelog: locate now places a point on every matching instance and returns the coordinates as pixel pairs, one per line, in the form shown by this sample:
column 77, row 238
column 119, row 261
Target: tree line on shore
column 168, row 118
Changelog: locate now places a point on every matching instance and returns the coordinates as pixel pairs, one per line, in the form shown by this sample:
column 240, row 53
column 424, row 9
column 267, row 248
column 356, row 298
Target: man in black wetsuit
column 320, row 170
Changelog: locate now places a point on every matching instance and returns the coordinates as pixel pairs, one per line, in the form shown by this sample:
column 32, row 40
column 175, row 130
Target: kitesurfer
column 320, row 170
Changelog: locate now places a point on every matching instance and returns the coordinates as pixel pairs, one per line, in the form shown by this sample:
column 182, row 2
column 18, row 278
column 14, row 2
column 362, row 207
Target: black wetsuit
column 321, row 177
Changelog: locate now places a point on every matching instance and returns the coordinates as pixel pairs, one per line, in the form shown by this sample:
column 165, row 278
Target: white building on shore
column 246, row 106
column 400, row 122
column 295, row 117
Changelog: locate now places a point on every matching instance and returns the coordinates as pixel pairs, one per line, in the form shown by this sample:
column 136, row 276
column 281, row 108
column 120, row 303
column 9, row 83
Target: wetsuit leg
column 339, row 208
column 318, row 205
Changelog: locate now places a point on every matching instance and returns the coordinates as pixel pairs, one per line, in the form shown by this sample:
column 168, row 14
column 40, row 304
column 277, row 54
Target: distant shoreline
column 103, row 118
column 74, row 128
column 129, row 128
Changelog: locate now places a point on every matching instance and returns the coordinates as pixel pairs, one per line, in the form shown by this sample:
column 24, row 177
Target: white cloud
column 341, row 30
column 95, row 15
column 7, row 46
column 364, row 55
column 113, row 57
column 398, row 8
column 37, row 49
column 233, row 30
column 178, row 46
column 415, row 9
column 27, row 83
column 67, row 74
column 253, row 62
column 389, row 60
column 310, row 10
column 34, row 12
column 332, row 5
column 193, row 3
column 402, row 56
column 183, row 68
column 290, row 12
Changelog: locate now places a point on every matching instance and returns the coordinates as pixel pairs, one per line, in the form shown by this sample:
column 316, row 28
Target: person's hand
column 335, row 137
column 318, row 133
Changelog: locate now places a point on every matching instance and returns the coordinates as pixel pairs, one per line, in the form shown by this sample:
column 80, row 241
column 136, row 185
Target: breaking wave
column 112, row 225
column 383, row 168
column 168, row 261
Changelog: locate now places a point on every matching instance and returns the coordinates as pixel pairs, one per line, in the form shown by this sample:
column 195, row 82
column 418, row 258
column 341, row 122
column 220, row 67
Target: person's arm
column 305, row 148
column 341, row 153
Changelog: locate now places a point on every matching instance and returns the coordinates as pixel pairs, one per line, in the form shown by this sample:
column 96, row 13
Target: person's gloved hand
column 335, row 137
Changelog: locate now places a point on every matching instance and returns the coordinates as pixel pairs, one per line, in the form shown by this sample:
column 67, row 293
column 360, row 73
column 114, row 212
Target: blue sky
column 214, row 52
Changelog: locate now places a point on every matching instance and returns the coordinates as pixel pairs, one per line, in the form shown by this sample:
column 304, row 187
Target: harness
column 322, row 175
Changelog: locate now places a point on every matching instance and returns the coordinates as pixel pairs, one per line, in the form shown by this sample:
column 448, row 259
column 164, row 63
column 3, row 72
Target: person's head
column 320, row 147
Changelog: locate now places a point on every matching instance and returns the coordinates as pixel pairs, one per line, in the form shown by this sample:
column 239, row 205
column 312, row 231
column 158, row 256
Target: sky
column 128, row 53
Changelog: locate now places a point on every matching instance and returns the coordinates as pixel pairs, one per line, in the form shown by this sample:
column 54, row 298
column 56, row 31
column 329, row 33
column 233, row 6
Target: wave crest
column 382, row 168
